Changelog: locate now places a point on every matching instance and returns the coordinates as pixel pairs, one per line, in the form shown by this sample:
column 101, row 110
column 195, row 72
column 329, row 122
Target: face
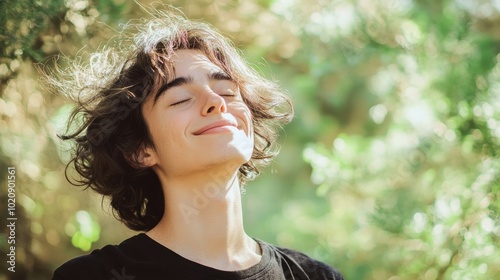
column 198, row 120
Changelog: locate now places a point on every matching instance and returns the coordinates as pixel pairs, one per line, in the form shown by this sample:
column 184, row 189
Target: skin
column 202, row 133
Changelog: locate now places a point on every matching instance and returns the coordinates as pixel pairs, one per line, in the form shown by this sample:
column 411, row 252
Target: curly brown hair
column 107, row 125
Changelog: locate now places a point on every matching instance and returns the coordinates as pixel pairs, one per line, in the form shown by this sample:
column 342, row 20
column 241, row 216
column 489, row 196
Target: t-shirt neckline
column 161, row 253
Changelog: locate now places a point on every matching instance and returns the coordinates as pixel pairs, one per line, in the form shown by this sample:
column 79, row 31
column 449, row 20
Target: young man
column 170, row 127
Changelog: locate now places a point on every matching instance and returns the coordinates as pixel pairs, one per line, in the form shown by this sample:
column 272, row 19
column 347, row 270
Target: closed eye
column 177, row 82
column 180, row 102
column 228, row 92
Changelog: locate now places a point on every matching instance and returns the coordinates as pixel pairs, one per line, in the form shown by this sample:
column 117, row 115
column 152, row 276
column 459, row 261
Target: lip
column 215, row 125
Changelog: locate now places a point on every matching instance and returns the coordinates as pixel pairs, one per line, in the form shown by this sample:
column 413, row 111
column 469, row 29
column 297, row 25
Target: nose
column 214, row 104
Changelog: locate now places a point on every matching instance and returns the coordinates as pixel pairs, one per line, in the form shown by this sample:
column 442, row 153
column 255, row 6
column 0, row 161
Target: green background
column 390, row 169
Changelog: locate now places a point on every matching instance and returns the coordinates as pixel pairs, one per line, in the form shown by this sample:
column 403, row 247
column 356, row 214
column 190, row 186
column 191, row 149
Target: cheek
column 168, row 133
column 242, row 112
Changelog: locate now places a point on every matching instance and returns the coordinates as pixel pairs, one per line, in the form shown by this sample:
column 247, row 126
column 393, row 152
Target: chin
column 231, row 158
column 234, row 152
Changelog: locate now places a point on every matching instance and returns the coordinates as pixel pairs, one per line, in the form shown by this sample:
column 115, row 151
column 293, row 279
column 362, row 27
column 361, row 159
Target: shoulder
column 301, row 263
column 101, row 263
column 83, row 267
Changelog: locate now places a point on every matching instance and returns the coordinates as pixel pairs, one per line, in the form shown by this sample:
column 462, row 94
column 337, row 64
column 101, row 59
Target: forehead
column 189, row 62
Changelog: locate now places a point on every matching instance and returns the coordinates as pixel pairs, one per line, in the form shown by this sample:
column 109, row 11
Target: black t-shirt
column 140, row 257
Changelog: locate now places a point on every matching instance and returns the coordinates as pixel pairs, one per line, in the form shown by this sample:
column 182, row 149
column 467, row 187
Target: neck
column 203, row 221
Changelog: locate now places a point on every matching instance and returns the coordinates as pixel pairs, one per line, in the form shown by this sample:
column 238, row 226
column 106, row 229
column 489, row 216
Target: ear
column 145, row 157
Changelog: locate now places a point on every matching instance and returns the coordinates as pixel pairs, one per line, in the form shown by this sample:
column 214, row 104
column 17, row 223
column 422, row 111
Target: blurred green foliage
column 390, row 169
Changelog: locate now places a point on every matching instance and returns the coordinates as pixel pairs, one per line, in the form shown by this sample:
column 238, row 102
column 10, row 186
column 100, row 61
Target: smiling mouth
column 217, row 127
column 226, row 128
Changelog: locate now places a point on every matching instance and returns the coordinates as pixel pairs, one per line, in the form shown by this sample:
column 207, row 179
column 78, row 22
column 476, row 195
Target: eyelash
column 230, row 93
column 186, row 100
column 180, row 102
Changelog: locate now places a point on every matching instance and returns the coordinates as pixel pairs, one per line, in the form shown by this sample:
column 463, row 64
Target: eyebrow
column 218, row 76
